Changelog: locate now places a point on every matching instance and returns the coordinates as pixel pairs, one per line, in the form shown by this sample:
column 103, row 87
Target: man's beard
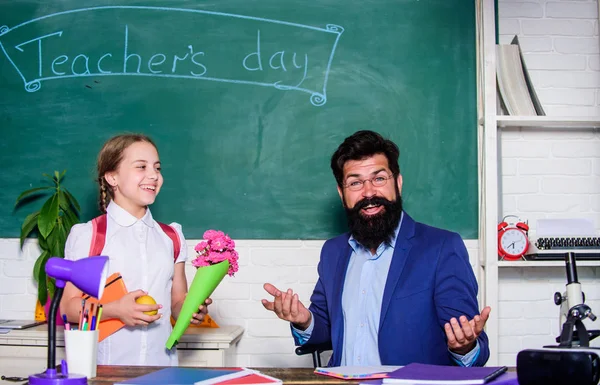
column 371, row 231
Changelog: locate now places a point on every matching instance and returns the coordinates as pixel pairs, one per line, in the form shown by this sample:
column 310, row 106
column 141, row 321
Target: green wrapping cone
column 205, row 281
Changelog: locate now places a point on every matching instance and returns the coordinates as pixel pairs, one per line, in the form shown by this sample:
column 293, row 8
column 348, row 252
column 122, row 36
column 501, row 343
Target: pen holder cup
column 82, row 349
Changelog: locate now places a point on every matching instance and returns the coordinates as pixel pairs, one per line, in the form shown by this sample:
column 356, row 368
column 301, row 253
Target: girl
column 129, row 178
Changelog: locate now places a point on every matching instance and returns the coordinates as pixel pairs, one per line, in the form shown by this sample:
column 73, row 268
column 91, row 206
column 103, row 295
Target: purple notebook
column 438, row 374
column 508, row 378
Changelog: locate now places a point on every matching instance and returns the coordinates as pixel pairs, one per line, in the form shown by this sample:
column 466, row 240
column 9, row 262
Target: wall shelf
column 548, row 121
column 546, row 264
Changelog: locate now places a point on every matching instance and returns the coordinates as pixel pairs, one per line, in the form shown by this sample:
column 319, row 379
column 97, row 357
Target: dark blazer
column 430, row 281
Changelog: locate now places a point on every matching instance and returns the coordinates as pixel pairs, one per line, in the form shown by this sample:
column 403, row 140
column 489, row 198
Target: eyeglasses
column 376, row 181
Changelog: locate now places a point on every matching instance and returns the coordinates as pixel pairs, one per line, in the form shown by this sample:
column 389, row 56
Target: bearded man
column 391, row 291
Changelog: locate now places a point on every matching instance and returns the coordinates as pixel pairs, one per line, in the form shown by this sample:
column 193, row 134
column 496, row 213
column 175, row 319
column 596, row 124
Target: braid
column 104, row 198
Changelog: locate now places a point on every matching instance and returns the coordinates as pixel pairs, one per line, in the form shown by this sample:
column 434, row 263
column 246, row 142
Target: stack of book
column 203, row 376
column 515, row 87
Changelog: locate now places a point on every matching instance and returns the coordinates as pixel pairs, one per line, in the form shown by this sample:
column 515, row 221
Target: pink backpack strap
column 98, row 235
column 174, row 237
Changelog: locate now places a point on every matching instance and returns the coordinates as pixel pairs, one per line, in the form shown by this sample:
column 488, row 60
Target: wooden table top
column 112, row 374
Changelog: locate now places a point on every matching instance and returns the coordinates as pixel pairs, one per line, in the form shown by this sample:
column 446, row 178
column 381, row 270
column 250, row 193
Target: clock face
column 514, row 242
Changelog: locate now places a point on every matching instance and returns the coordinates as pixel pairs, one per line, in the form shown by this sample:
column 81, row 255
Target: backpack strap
column 174, row 237
column 98, row 235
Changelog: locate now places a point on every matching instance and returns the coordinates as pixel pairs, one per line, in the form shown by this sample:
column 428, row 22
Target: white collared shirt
column 141, row 251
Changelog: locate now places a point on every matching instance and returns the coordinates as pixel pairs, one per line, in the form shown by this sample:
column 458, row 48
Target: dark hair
column 361, row 145
column 109, row 159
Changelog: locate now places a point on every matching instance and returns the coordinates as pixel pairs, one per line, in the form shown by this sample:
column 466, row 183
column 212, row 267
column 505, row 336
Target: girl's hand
column 132, row 313
column 202, row 310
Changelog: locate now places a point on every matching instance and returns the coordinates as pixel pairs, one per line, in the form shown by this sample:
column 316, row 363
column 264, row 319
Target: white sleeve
column 79, row 241
column 183, row 250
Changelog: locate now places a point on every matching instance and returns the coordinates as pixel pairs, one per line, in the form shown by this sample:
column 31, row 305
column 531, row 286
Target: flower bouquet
column 216, row 258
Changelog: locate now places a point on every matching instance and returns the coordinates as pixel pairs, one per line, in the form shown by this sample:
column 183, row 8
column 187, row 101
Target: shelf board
column 546, row 264
column 548, row 121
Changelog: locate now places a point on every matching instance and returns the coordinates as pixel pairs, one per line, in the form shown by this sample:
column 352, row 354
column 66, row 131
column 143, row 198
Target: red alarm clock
column 513, row 241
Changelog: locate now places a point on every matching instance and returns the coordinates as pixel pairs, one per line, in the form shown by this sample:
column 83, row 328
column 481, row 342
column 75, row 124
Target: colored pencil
column 80, row 324
column 85, row 320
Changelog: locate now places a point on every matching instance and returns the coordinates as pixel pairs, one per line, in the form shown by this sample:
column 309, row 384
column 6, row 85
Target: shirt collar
column 383, row 246
column 123, row 218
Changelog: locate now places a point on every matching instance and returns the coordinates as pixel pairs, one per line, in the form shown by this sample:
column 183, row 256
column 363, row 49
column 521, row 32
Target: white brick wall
column 549, row 173
column 561, row 47
column 544, row 174
column 266, row 341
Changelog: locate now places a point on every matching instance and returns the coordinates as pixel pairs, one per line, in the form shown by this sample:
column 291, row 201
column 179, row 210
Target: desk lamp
column 89, row 276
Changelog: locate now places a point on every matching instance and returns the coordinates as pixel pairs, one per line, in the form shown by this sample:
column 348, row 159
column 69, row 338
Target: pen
column 99, row 314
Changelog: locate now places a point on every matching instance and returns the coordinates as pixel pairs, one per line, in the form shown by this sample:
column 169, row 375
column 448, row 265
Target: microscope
column 572, row 361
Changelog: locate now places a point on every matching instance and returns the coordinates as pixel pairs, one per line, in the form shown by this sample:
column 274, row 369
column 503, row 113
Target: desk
column 24, row 352
column 108, row 375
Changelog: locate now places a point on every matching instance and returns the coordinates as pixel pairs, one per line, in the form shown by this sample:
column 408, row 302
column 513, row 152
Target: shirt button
column 358, row 358
column 364, row 291
column 362, row 324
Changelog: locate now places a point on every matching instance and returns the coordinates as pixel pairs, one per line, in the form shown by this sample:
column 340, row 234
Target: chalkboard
column 246, row 100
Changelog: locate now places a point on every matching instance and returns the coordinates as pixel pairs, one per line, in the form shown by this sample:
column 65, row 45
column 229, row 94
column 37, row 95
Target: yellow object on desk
column 40, row 315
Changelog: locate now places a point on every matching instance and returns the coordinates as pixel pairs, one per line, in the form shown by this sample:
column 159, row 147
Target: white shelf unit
column 548, row 122
column 489, row 125
column 545, row 264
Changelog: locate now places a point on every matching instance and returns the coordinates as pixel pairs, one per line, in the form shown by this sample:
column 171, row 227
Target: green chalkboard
column 246, row 100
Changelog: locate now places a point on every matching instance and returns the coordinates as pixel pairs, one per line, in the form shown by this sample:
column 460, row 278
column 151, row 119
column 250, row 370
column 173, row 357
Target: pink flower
column 200, row 247
column 216, row 247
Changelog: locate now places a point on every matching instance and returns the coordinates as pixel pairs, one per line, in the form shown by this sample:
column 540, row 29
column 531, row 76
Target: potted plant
column 51, row 224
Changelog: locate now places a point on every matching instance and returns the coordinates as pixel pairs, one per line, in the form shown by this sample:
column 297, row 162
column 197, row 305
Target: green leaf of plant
column 41, row 276
column 49, row 177
column 62, row 174
column 42, row 293
column 42, row 242
column 48, row 216
column 70, row 219
column 63, row 201
column 31, row 191
column 51, row 287
column 56, row 176
column 72, row 200
column 28, row 225
column 54, row 242
column 38, row 265
column 57, row 240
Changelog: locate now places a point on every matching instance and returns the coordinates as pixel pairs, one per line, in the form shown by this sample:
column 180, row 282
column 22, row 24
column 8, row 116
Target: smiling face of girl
column 137, row 180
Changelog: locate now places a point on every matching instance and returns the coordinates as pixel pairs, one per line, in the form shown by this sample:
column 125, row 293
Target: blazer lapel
column 401, row 251
column 336, row 306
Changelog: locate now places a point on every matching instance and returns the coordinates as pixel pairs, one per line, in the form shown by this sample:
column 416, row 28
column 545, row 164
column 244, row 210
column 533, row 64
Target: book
column 416, row 373
column 187, row 376
column 18, row 324
column 507, row 378
column 511, row 81
column 356, row 372
column 255, row 378
column 113, row 290
column 534, row 98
